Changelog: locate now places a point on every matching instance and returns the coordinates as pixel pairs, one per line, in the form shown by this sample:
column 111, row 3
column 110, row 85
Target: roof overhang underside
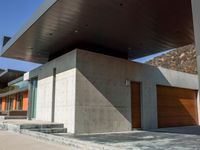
column 13, row 92
column 8, row 75
column 123, row 28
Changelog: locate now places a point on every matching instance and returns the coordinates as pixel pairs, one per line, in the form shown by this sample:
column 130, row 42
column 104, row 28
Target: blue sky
column 13, row 14
column 146, row 58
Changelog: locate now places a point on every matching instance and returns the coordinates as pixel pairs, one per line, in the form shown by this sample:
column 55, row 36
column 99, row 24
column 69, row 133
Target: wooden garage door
column 176, row 107
column 136, row 105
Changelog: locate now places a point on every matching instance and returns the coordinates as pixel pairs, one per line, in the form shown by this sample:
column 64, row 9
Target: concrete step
column 41, row 126
column 12, row 117
column 50, row 130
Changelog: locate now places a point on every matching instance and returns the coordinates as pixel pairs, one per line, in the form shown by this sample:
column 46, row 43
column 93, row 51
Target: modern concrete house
column 88, row 81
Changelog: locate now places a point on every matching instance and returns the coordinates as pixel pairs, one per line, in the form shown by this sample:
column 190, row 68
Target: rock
column 182, row 55
column 182, row 59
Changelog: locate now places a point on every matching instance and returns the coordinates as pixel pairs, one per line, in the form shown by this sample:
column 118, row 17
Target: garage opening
column 176, row 107
column 136, row 104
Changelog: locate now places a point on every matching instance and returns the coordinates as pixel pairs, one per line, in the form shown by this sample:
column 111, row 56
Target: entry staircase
column 45, row 128
column 36, row 126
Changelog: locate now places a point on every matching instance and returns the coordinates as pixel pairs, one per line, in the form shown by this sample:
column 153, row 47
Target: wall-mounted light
column 127, row 82
column 30, row 47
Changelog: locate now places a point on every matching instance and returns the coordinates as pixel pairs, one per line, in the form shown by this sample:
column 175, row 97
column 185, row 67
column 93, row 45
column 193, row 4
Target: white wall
column 64, row 90
column 65, row 99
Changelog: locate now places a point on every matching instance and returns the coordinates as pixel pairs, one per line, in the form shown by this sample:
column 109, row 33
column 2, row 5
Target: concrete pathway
column 14, row 141
column 185, row 138
column 182, row 138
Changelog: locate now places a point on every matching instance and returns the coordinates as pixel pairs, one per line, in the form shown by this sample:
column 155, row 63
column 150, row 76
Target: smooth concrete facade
column 93, row 93
column 105, row 99
column 196, row 24
column 64, row 90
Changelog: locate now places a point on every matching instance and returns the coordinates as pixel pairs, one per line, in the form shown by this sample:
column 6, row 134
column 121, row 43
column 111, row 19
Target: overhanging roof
column 13, row 92
column 1, row 71
column 8, row 76
column 124, row 28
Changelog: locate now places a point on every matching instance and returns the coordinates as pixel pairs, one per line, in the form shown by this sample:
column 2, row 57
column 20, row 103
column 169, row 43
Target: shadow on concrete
column 192, row 130
column 172, row 134
column 151, row 140
column 102, row 89
column 105, row 79
column 176, row 107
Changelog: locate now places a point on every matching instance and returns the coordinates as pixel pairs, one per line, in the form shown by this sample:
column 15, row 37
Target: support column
column 29, row 116
column 53, row 96
column 149, row 106
column 196, row 22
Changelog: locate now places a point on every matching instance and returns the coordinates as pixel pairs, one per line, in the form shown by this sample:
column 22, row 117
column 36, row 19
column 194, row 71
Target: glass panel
column 7, row 103
column 11, row 99
column 19, row 85
column 1, row 104
column 19, row 101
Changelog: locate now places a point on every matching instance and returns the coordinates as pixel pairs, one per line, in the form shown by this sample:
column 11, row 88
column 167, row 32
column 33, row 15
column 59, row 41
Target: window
column 33, row 99
column 19, row 101
column 0, row 103
column 9, row 100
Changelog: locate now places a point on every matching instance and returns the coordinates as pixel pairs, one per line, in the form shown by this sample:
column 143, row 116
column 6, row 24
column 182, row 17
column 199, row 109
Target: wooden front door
column 136, row 104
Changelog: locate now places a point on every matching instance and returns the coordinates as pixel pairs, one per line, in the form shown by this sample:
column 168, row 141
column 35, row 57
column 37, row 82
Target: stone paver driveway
column 184, row 138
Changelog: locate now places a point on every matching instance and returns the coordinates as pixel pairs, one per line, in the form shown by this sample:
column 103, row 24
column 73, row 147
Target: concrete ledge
column 40, row 126
column 68, row 141
column 17, row 113
column 50, row 130
column 12, row 117
column 10, row 127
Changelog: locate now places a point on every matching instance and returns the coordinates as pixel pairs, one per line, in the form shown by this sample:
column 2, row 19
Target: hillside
column 182, row 59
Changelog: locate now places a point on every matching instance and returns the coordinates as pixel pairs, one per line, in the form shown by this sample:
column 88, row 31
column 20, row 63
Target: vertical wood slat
column 25, row 101
column 14, row 102
column 176, row 107
column 4, row 104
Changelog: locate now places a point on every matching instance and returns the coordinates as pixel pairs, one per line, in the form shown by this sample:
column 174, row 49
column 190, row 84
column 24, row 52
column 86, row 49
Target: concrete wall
column 91, row 95
column 64, row 90
column 103, row 101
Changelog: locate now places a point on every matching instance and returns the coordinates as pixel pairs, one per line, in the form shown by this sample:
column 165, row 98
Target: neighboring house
column 182, row 59
column 14, row 93
column 87, row 81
